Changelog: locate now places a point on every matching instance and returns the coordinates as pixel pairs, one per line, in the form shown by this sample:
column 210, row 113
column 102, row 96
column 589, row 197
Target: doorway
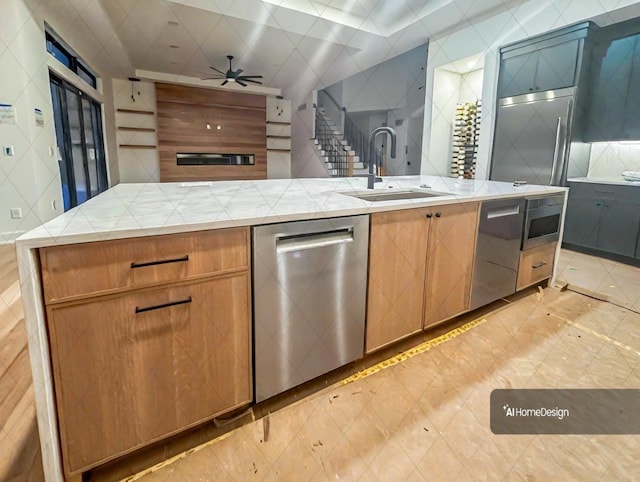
column 81, row 158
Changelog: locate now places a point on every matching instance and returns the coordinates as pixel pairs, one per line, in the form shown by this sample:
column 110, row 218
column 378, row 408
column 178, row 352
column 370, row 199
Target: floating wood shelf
column 133, row 111
column 136, row 146
column 278, row 150
column 279, row 123
column 278, row 137
column 136, row 129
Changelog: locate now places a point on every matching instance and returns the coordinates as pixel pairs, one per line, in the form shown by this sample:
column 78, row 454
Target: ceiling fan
column 234, row 76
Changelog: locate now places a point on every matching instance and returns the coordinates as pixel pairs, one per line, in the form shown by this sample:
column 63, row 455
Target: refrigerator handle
column 556, row 154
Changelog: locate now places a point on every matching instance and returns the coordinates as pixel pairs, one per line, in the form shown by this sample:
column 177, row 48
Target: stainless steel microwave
column 542, row 218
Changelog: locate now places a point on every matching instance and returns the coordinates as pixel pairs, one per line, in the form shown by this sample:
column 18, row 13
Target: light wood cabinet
column 536, row 264
column 452, row 241
column 397, row 257
column 420, row 267
column 133, row 367
column 74, row 271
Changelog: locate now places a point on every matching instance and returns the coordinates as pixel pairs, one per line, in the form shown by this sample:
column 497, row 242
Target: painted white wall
column 446, row 92
column 486, row 34
column 29, row 180
column 449, row 89
column 305, row 159
column 136, row 165
column 471, row 86
column 392, row 84
column 610, row 159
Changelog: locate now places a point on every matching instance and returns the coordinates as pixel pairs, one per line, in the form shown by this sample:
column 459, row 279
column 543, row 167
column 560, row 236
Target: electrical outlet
column 16, row 213
column 8, row 151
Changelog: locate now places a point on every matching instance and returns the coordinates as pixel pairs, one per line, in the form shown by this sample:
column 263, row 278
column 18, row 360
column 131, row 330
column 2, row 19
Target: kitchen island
column 133, row 215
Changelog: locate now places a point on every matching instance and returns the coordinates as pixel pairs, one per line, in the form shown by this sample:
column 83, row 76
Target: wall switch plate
column 8, row 151
column 16, row 213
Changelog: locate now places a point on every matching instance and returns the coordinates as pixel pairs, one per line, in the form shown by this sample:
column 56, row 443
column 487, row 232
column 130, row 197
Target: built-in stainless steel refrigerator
column 532, row 139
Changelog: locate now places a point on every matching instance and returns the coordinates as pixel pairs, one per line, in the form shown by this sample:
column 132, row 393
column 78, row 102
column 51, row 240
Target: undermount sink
column 394, row 195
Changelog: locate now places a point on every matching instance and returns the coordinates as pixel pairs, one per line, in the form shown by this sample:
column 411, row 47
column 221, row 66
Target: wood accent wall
column 183, row 113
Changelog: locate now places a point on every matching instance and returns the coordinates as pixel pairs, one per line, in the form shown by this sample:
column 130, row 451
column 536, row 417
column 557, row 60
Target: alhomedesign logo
column 565, row 411
column 557, row 412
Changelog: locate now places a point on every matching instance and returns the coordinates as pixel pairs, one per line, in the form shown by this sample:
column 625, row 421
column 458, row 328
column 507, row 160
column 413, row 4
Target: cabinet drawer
column 605, row 192
column 134, row 368
column 92, row 268
column 536, row 264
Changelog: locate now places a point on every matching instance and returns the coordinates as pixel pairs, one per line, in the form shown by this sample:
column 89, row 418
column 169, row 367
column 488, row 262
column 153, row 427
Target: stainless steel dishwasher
column 309, row 292
column 495, row 267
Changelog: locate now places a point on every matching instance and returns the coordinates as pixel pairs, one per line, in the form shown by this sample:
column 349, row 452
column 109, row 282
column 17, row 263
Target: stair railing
column 349, row 130
column 332, row 147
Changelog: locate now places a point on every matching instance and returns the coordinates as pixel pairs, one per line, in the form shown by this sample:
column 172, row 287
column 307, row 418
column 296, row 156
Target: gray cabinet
column 611, row 78
column 581, row 221
column 632, row 111
column 548, row 62
column 604, row 218
column 618, row 230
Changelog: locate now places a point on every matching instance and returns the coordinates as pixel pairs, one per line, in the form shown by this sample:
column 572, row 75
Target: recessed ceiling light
column 174, row 46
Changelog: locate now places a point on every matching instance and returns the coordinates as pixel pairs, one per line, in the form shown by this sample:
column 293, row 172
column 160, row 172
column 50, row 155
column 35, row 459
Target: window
column 67, row 57
column 78, row 124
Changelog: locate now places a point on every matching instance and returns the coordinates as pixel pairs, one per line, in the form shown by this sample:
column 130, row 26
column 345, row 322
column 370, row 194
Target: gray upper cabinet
column 613, row 111
column 632, row 112
column 612, row 72
column 548, row 62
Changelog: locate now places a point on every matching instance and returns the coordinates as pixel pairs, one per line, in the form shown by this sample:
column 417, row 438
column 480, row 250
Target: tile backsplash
column 610, row 159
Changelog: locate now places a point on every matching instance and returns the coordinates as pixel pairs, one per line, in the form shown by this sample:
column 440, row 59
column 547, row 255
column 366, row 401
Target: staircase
column 338, row 156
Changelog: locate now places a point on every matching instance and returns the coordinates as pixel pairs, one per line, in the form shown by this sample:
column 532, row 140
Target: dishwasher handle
column 299, row 242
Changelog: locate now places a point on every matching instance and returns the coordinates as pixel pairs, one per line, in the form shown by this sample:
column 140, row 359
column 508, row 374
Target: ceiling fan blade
column 219, row 71
column 251, row 76
column 248, row 80
column 238, row 81
column 224, row 82
column 238, row 72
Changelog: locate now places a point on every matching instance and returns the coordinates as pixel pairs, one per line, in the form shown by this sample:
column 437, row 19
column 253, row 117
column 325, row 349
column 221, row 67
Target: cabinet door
column 517, row 74
column 581, row 221
column 134, row 368
column 610, row 84
column 452, row 242
column 618, row 230
column 556, row 66
column 397, row 255
column 632, row 114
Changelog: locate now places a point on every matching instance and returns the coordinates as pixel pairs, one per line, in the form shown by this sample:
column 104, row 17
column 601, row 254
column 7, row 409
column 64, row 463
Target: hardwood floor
column 19, row 445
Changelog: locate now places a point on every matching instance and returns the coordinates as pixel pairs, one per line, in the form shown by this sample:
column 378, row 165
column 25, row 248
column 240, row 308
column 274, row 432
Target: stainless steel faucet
column 373, row 163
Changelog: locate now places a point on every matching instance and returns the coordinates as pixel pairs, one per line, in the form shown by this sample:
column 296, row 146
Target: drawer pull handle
column 162, row 261
column 539, row 265
column 164, row 305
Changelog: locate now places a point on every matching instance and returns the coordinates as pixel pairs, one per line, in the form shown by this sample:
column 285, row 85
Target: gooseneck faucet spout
column 373, row 161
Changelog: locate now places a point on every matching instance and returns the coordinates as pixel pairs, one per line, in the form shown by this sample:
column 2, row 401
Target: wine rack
column 466, row 131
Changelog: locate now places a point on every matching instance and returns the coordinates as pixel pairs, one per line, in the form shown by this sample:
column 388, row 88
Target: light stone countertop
column 619, row 181
column 132, row 210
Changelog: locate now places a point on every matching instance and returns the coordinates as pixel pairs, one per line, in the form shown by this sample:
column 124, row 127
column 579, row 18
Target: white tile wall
column 610, row 159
